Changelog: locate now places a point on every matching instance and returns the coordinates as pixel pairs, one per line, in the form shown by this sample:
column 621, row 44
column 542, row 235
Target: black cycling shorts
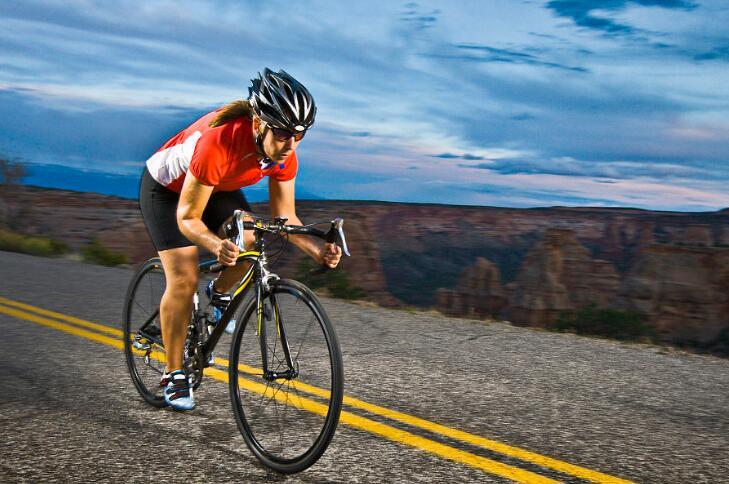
column 159, row 210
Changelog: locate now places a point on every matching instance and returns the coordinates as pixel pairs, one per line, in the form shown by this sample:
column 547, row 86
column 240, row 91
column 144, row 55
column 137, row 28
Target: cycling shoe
column 178, row 393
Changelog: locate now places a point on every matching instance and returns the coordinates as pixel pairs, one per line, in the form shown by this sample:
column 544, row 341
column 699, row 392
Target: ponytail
column 236, row 109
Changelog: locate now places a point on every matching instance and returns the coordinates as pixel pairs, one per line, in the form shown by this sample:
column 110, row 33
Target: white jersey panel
column 169, row 164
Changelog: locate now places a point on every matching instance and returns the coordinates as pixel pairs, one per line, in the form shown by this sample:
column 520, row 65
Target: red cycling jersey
column 223, row 157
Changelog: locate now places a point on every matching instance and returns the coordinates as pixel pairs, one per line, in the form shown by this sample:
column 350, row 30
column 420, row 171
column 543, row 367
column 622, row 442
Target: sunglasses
column 284, row 134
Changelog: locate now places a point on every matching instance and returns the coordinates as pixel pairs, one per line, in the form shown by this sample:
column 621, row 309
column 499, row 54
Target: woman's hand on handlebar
column 330, row 255
column 226, row 252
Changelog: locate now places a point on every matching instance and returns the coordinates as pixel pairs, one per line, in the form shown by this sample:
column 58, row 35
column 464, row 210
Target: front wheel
column 288, row 416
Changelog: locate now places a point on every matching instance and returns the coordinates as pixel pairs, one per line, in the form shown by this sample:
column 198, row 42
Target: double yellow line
column 113, row 337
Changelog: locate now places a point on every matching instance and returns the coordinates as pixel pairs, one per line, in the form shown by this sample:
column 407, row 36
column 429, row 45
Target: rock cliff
column 524, row 265
column 683, row 289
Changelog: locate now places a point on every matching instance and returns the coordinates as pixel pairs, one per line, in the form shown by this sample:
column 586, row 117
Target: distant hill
column 119, row 185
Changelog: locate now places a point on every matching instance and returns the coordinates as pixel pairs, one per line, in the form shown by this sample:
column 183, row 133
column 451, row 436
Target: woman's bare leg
column 181, row 274
column 227, row 279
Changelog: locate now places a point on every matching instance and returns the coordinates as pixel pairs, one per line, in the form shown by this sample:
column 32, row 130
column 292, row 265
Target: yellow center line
column 102, row 328
column 411, row 420
column 456, row 434
column 396, row 435
column 99, row 338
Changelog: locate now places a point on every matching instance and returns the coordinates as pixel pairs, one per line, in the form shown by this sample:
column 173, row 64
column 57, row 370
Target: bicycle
column 285, row 370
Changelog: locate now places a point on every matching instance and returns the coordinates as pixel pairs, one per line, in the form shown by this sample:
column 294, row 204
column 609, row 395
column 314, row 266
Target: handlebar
column 234, row 231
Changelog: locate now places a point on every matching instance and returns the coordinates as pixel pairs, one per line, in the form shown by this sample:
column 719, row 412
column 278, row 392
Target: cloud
column 718, row 53
column 586, row 119
column 465, row 156
column 599, row 170
column 523, row 117
column 414, row 17
column 485, row 53
column 582, row 12
column 559, row 197
column 98, row 137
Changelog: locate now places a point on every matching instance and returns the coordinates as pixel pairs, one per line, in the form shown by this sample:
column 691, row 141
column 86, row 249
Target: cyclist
column 192, row 184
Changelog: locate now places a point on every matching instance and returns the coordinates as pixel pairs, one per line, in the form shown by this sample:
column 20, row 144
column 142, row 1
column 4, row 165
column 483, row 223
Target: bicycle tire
column 310, row 403
column 141, row 301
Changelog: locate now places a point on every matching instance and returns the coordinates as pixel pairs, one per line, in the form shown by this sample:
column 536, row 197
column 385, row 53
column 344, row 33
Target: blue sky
column 506, row 103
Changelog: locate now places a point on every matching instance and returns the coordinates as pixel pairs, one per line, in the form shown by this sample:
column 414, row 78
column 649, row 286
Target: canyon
column 526, row 266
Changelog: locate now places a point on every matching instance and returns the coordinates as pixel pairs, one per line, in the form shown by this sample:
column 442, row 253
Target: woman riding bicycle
column 191, row 185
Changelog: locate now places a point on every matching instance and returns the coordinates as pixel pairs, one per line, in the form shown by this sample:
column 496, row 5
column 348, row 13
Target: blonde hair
column 234, row 110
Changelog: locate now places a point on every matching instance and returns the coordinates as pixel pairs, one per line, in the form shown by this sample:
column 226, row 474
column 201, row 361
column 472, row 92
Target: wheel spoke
column 280, row 418
column 298, row 395
column 140, row 306
column 303, row 339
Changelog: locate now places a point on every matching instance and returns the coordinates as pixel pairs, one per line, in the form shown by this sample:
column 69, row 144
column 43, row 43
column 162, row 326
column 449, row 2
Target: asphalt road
column 552, row 405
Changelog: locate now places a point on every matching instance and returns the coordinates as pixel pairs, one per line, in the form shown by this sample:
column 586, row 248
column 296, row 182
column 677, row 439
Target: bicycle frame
column 254, row 257
column 259, row 274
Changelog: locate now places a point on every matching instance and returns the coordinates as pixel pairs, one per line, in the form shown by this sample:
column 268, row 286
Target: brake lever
column 234, row 233
column 336, row 231
column 338, row 225
column 238, row 215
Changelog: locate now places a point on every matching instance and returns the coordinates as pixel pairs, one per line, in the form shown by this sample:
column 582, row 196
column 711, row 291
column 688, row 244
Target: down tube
column 238, row 296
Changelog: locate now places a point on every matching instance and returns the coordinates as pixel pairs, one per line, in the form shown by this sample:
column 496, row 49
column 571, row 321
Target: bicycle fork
column 263, row 317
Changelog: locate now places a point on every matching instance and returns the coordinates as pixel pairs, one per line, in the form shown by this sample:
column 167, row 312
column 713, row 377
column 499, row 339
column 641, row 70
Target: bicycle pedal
column 141, row 346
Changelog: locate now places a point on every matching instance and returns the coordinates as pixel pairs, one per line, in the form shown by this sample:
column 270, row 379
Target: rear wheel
column 145, row 354
column 288, row 418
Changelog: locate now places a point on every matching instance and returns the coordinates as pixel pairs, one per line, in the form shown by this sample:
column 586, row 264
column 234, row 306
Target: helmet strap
column 259, row 144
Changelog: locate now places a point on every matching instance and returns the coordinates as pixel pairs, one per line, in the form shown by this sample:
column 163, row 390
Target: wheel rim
column 287, row 419
column 148, row 364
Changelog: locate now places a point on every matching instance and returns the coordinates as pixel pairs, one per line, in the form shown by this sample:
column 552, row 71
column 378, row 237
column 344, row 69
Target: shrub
column 611, row 323
column 718, row 347
column 97, row 253
column 721, row 345
column 336, row 281
column 33, row 245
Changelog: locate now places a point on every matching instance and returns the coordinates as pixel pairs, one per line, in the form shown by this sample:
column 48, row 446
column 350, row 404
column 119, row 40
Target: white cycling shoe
column 178, row 392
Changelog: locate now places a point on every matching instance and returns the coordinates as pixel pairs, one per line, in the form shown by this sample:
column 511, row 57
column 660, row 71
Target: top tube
column 206, row 266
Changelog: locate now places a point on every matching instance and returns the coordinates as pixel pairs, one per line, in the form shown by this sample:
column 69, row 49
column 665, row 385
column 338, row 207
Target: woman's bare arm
column 193, row 200
column 283, row 204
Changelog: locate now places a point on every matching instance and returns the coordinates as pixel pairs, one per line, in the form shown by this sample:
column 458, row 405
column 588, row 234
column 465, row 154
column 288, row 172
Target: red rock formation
column 684, row 291
column 695, row 235
column 681, row 289
column 559, row 274
column 479, row 292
